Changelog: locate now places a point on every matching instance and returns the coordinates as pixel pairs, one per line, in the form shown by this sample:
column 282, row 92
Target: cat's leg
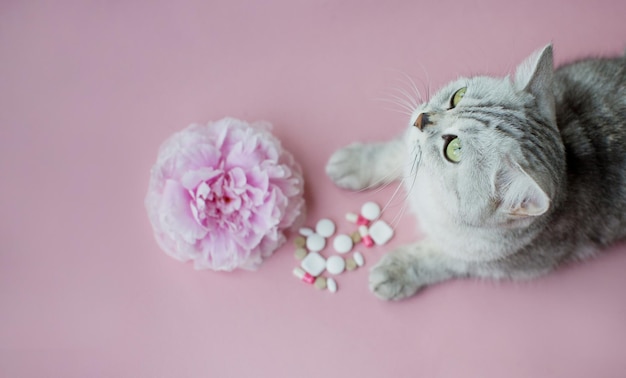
column 360, row 166
column 404, row 271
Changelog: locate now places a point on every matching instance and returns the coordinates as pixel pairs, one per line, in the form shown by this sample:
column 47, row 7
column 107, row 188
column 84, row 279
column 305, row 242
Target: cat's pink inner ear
column 520, row 195
column 535, row 204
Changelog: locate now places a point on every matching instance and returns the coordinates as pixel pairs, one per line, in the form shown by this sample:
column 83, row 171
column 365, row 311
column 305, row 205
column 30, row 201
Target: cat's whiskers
column 408, row 103
column 381, row 183
column 393, row 196
column 413, row 172
column 413, row 101
column 403, row 112
column 418, row 95
column 427, row 84
column 405, row 106
column 407, row 96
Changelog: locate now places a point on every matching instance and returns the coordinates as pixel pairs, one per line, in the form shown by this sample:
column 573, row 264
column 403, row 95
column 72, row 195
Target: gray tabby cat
column 509, row 178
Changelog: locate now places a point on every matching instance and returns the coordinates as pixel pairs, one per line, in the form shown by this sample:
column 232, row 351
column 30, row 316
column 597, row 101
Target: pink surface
column 88, row 91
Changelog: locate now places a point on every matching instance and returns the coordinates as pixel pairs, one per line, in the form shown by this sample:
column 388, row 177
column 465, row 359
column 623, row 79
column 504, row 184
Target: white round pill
column 335, row 264
column 370, row 210
column 315, row 243
column 325, row 228
column 331, row 284
column 342, row 243
column 358, row 258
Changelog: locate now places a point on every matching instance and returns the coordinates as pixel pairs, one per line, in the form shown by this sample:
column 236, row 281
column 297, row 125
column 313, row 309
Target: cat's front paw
column 347, row 167
column 394, row 277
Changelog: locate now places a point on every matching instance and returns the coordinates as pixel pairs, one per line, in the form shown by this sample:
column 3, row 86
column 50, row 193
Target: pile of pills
column 371, row 230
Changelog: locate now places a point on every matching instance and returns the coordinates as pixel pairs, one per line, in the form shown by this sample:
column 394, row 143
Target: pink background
column 89, row 90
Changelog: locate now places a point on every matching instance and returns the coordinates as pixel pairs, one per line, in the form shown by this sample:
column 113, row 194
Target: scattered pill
column 299, row 241
column 350, row 264
column 342, row 243
column 315, row 243
column 371, row 231
column 370, row 210
column 303, row 276
column 380, row 232
column 305, row 231
column 325, row 228
column 365, row 236
column 331, row 284
column 358, row 258
column 335, row 264
column 313, row 263
column 320, row 283
column 358, row 219
column 352, row 217
column 300, row 253
column 356, row 237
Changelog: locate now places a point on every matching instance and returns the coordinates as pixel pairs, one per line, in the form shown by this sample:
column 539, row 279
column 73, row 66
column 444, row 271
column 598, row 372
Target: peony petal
column 261, row 219
column 237, row 158
column 194, row 211
column 175, row 214
column 200, row 204
column 192, row 179
column 257, row 179
column 221, row 251
column 203, row 190
column 221, row 129
column 204, row 155
column 238, row 178
column 248, row 240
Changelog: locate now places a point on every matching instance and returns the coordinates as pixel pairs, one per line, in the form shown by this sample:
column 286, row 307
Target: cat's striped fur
column 541, row 181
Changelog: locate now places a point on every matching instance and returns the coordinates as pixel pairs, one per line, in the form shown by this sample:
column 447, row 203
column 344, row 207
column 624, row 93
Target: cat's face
column 489, row 148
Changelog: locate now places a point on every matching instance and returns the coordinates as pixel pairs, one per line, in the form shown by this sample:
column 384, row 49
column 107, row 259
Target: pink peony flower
column 222, row 194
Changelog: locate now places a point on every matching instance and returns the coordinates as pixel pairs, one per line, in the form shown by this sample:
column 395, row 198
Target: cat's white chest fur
column 424, row 199
column 432, row 208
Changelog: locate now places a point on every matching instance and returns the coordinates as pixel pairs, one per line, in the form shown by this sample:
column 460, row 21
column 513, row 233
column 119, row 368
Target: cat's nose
column 422, row 121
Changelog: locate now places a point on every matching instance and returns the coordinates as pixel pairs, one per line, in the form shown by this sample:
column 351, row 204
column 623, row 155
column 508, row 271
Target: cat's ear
column 535, row 75
column 519, row 194
column 536, row 70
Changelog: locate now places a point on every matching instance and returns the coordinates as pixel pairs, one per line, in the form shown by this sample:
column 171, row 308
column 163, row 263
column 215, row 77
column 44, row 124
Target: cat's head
column 490, row 148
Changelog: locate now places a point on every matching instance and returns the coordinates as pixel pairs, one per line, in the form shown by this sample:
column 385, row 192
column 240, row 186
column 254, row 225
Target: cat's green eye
column 452, row 149
column 457, row 97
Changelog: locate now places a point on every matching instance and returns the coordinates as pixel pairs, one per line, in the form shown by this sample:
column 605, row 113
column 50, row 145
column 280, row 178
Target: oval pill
column 358, row 258
column 315, row 243
column 351, row 217
column 325, row 228
column 370, row 210
column 331, row 284
column 342, row 243
column 305, row 231
column 335, row 264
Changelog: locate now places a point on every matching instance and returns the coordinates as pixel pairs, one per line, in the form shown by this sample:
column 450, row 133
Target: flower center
column 216, row 200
